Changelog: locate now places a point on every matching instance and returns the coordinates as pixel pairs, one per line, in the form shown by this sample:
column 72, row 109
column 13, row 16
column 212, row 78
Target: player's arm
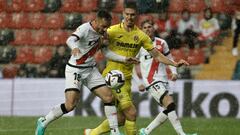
column 72, row 43
column 161, row 58
column 119, row 58
column 173, row 69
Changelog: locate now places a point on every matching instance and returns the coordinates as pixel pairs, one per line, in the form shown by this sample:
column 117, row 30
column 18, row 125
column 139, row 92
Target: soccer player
column 81, row 70
column 155, row 80
column 126, row 39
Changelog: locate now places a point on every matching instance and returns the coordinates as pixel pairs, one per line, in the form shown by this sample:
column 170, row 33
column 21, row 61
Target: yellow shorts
column 124, row 96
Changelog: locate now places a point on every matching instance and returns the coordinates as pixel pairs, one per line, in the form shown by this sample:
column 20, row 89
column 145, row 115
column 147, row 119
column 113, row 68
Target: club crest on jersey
column 136, row 38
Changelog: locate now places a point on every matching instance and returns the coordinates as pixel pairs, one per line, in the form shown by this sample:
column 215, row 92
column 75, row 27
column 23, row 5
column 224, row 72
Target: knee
column 131, row 114
column 70, row 106
column 108, row 98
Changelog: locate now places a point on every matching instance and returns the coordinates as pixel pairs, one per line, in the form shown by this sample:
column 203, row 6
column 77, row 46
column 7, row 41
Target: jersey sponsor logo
column 127, row 45
column 136, row 38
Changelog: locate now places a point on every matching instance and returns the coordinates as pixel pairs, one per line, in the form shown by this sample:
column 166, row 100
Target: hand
column 76, row 52
column 182, row 62
column 174, row 77
column 132, row 60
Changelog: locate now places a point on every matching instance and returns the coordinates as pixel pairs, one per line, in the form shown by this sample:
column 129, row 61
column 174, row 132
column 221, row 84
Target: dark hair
column 131, row 4
column 210, row 10
column 146, row 21
column 104, row 15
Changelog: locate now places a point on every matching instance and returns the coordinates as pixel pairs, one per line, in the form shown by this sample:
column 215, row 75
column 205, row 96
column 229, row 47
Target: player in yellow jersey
column 126, row 39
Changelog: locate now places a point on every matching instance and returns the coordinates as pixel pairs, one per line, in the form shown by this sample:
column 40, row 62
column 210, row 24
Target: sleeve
column 147, row 43
column 166, row 50
column 113, row 56
column 80, row 31
column 167, row 53
column 72, row 42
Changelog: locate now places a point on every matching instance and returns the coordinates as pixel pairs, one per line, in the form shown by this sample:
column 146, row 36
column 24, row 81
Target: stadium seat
column 58, row 37
column 54, row 21
column 9, row 71
column 218, row 6
column 196, row 6
column 115, row 18
column 42, row 55
column 87, row 6
column 118, row 6
column 19, row 21
column 88, row 17
column 195, row 57
column 4, row 20
column 176, row 6
column 70, row 5
column 37, row 20
column 34, row 5
column 143, row 17
column 3, row 5
column 22, row 37
column 15, row 5
column 178, row 54
column 41, row 37
column 24, row 55
column 72, row 21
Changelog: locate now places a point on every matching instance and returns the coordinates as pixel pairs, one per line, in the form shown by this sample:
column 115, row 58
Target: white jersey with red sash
column 152, row 70
column 88, row 44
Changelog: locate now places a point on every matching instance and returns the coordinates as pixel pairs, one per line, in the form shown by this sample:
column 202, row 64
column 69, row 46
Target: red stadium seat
column 70, row 5
column 10, row 71
column 196, row 6
column 36, row 20
column 218, row 6
column 58, row 37
column 115, row 19
column 176, row 6
column 19, row 21
column 22, row 37
column 87, row 5
column 119, row 6
column 54, row 21
column 3, row 5
column 195, row 57
column 24, row 55
column 41, row 37
column 34, row 5
column 178, row 54
column 88, row 17
column 15, row 5
column 4, row 20
column 144, row 17
column 42, row 55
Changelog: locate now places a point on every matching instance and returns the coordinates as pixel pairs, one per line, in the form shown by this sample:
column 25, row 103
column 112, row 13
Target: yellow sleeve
column 147, row 43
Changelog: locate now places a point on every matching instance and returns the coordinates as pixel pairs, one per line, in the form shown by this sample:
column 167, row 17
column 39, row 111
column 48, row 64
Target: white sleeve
column 113, row 56
column 169, row 55
column 72, row 42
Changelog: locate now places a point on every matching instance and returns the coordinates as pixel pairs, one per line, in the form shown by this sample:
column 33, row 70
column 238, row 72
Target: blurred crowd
column 186, row 31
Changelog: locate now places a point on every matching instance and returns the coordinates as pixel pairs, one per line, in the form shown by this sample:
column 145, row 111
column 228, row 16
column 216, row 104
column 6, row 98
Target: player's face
column 129, row 15
column 102, row 26
column 148, row 29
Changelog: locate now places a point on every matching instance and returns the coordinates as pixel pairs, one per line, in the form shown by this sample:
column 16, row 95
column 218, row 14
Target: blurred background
column 33, row 54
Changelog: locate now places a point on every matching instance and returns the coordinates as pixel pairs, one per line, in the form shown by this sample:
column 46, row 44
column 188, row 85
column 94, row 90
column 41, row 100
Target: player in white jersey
column 156, row 82
column 81, row 70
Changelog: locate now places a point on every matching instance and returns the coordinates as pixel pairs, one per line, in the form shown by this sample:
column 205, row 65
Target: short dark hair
column 104, row 15
column 130, row 4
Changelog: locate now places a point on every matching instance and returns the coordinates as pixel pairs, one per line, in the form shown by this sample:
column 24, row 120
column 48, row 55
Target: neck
column 94, row 24
column 128, row 28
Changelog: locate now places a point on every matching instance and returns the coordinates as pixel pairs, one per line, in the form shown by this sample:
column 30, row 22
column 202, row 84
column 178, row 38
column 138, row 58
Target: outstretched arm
column 161, row 58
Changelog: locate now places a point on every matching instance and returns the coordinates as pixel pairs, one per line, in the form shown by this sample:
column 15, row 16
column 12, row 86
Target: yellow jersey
column 128, row 44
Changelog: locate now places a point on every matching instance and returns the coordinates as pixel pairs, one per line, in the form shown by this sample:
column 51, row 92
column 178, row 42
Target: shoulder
column 114, row 27
column 84, row 26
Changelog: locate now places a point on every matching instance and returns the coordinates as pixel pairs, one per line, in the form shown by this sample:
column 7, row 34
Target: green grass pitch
column 75, row 126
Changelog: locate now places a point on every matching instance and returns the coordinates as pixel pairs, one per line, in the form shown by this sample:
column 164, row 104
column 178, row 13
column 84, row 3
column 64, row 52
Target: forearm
column 113, row 56
column 161, row 58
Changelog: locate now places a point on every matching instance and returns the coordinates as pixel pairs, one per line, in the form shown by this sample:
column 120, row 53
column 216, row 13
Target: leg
column 110, row 110
column 71, row 100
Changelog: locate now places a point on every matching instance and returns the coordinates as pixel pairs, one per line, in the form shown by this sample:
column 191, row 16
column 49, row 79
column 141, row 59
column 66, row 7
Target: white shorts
column 89, row 77
column 158, row 90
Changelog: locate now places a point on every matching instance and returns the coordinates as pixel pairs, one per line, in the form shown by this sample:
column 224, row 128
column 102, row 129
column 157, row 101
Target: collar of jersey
column 121, row 26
